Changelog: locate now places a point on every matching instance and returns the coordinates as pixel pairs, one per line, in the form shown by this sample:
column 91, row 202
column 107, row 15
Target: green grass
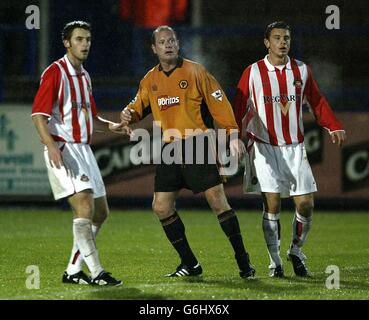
column 134, row 248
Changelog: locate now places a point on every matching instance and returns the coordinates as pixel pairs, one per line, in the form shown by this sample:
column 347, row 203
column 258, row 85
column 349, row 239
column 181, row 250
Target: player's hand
column 237, row 148
column 338, row 137
column 55, row 157
column 120, row 128
column 126, row 116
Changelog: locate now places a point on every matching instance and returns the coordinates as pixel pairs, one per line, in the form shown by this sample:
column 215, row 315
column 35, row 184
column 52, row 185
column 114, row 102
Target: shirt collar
column 272, row 68
column 178, row 65
column 71, row 69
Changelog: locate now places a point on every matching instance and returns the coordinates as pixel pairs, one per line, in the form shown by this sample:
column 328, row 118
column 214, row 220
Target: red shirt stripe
column 297, row 77
column 75, row 122
column 85, row 108
column 268, row 104
column 282, row 82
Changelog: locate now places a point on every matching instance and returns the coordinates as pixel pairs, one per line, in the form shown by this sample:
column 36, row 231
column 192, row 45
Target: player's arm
column 241, row 99
column 138, row 108
column 220, row 109
column 322, row 111
column 42, row 110
column 104, row 125
column 40, row 122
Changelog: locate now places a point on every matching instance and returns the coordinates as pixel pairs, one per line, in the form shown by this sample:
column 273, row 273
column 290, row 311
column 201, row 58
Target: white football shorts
column 80, row 171
column 278, row 169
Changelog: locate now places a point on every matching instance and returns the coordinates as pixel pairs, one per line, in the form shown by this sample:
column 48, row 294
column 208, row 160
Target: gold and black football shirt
column 187, row 97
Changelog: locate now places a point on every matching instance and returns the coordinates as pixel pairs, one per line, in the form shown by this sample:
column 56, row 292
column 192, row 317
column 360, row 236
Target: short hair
column 70, row 26
column 276, row 25
column 161, row 28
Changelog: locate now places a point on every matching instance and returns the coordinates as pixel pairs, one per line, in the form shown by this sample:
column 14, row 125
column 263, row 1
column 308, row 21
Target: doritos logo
column 165, row 102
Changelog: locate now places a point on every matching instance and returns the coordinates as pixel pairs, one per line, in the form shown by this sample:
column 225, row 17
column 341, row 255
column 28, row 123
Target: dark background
column 231, row 34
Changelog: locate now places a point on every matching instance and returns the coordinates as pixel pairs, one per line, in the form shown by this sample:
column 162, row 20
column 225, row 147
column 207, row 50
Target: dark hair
column 275, row 25
column 161, row 28
column 70, row 26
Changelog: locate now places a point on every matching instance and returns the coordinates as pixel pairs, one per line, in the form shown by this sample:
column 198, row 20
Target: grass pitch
column 134, row 248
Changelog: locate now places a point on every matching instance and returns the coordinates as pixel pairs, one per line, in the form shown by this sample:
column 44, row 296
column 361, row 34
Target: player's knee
column 100, row 216
column 161, row 209
column 218, row 202
column 273, row 208
column 305, row 208
column 84, row 211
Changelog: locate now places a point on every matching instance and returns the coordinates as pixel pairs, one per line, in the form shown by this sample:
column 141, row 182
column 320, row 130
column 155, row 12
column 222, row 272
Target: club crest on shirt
column 218, row 95
column 183, row 84
column 297, row 83
column 154, row 87
column 84, row 178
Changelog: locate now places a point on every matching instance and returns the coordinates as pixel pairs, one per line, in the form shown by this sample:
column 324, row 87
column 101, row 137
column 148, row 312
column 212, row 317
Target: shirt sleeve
column 93, row 105
column 141, row 102
column 47, row 93
column 320, row 106
column 216, row 100
column 242, row 96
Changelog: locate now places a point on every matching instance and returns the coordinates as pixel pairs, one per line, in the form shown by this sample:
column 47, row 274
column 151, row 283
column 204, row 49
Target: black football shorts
column 197, row 177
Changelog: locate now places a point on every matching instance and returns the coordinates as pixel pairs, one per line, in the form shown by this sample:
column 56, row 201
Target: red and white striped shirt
column 268, row 104
column 65, row 97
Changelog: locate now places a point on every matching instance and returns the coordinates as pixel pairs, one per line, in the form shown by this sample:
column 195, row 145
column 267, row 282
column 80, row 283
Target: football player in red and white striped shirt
column 268, row 110
column 64, row 112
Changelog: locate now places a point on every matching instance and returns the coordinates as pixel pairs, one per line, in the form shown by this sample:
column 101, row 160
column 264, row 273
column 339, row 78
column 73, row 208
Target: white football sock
column 300, row 229
column 84, row 238
column 271, row 229
column 76, row 260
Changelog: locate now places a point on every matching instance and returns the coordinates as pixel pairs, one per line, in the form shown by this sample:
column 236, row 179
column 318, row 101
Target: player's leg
column 228, row 221
column 89, row 205
column 82, row 204
column 303, row 218
column 164, row 207
column 265, row 177
column 168, row 183
column 272, row 231
column 301, row 225
column 63, row 185
column 83, row 207
column 302, row 193
column 100, row 214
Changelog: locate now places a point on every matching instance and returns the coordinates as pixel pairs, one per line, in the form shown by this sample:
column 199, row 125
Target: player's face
column 79, row 44
column 166, row 46
column 279, row 42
